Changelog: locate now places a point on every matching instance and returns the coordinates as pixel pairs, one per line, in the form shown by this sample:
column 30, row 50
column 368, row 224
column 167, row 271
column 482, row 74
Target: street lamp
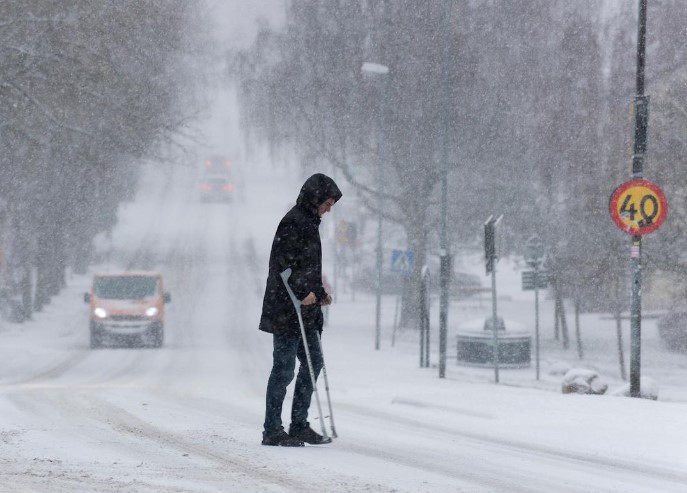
column 444, row 254
column 374, row 68
column 377, row 70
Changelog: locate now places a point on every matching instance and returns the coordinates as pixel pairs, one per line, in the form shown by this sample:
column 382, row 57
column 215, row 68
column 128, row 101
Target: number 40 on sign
column 638, row 207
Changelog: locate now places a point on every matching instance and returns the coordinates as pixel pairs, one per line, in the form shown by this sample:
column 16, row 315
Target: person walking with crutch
column 297, row 246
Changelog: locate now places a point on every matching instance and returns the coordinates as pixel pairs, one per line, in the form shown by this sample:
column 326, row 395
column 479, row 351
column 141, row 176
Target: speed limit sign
column 638, row 207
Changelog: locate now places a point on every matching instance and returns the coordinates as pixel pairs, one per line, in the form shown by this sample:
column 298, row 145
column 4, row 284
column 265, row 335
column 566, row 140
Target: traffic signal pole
column 490, row 257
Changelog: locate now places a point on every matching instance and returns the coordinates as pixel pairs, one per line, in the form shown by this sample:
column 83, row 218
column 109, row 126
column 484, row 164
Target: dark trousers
column 286, row 350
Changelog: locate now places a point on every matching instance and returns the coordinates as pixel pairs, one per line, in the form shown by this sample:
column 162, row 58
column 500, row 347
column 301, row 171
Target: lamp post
column 377, row 70
column 444, row 254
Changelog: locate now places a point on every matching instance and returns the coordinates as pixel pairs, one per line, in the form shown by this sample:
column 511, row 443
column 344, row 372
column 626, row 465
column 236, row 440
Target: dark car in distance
column 217, row 180
column 216, row 188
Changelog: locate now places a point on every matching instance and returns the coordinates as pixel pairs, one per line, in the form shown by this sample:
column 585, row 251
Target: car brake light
column 228, row 187
column 206, row 187
column 208, row 163
column 227, row 164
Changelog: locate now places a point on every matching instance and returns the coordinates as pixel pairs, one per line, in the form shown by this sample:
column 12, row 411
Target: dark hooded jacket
column 297, row 245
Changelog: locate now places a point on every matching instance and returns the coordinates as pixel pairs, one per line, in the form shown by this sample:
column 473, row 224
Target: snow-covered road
column 188, row 417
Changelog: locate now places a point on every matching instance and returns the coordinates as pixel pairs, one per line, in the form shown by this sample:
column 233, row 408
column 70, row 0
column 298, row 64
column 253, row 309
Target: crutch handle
column 285, row 277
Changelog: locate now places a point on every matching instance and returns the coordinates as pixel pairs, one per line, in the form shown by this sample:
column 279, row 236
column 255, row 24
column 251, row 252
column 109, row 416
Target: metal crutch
column 326, row 388
column 297, row 304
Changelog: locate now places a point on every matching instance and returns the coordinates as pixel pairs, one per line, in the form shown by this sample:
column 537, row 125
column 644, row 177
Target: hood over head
column 316, row 191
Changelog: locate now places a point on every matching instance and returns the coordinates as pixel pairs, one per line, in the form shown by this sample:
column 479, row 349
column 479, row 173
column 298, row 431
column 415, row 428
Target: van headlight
column 100, row 312
column 152, row 311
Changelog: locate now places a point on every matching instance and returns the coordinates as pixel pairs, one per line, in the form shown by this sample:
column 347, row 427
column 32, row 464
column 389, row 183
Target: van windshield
column 126, row 287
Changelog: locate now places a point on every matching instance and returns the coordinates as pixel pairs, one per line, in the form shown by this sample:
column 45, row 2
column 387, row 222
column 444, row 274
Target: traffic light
column 490, row 243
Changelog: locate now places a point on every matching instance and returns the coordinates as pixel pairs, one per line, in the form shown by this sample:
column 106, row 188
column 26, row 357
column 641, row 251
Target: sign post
column 490, row 258
column 637, row 207
column 534, row 257
column 424, row 318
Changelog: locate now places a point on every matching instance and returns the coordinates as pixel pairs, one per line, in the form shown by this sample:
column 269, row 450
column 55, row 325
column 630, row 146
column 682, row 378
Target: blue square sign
column 402, row 261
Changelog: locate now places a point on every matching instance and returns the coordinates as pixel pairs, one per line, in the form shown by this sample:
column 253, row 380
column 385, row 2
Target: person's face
column 326, row 207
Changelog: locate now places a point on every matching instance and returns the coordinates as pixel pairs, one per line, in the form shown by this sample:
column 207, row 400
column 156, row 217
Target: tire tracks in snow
column 629, row 473
column 74, row 355
column 125, row 423
column 89, row 423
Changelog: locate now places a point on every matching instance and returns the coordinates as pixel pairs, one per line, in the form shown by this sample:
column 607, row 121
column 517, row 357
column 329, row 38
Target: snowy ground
column 188, row 417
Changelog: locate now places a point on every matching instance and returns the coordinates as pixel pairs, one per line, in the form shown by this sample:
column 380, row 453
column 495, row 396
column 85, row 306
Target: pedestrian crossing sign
column 402, row 261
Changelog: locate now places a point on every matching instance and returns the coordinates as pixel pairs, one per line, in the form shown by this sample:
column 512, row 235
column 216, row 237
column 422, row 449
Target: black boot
column 308, row 435
column 282, row 439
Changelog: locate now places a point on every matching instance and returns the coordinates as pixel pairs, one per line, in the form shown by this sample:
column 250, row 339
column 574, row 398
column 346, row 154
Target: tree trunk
column 24, row 254
column 561, row 313
column 82, row 255
column 43, row 271
column 42, row 298
column 410, row 305
column 26, row 292
column 578, row 336
column 556, row 321
column 410, row 301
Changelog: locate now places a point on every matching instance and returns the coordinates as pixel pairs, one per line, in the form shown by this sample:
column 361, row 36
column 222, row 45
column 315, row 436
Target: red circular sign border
column 638, row 182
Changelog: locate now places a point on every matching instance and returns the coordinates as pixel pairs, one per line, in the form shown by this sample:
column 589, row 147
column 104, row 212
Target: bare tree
column 86, row 88
column 538, row 119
